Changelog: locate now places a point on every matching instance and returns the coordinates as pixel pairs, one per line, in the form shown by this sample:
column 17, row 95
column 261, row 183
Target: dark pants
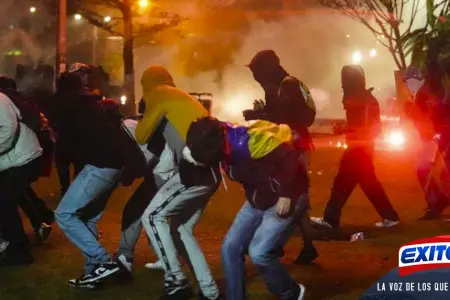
column 62, row 163
column 13, row 183
column 35, row 209
column 357, row 167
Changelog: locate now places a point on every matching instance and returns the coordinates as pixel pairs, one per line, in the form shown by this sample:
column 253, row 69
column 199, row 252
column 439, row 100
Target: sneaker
column 155, row 266
column 3, row 245
column 103, row 270
column 203, row 297
column 307, row 256
column 43, row 232
column 124, row 263
column 302, row 291
column 177, row 290
column 429, row 215
column 83, row 282
column 386, row 223
column 321, row 222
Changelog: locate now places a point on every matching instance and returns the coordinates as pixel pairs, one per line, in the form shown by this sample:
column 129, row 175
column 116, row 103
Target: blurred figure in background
column 420, row 112
column 287, row 101
column 356, row 165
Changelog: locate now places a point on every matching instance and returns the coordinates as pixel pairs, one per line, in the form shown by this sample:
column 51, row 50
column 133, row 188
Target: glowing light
column 77, row 17
column 356, row 57
column 107, row 19
column 143, row 3
column 123, row 99
column 347, row 36
column 373, row 52
column 395, row 138
column 339, row 144
column 345, row 146
column 32, row 9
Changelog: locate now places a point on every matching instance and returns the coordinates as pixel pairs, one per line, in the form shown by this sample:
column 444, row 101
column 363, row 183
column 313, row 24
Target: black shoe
column 307, row 256
column 102, row 271
column 43, row 232
column 429, row 215
column 203, row 297
column 177, row 291
column 83, row 282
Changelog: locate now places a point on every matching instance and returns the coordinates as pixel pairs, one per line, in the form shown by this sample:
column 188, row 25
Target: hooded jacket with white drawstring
column 174, row 110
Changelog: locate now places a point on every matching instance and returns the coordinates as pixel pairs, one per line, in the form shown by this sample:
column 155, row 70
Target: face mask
column 413, row 85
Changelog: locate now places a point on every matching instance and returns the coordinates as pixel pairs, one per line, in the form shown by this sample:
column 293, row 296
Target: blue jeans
column 80, row 209
column 258, row 233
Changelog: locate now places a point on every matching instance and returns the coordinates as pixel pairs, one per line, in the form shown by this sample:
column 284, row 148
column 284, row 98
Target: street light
column 356, row 57
column 107, row 19
column 32, row 9
column 143, row 3
column 77, row 17
column 373, row 52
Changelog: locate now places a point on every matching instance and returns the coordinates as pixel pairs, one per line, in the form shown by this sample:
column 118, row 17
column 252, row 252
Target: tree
column 388, row 20
column 129, row 20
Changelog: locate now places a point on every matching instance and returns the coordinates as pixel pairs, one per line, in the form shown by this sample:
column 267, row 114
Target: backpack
column 310, row 115
column 34, row 120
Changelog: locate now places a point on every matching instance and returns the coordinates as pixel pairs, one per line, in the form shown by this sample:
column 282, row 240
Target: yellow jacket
column 164, row 101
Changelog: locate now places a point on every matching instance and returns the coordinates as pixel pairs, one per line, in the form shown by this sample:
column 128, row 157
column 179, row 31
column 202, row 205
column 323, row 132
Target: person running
column 287, row 101
column 183, row 200
column 261, row 156
column 356, row 165
column 94, row 141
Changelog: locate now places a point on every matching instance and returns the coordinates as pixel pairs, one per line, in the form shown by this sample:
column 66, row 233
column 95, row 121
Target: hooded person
column 262, row 157
column 181, row 201
column 287, row 101
column 356, row 166
column 91, row 139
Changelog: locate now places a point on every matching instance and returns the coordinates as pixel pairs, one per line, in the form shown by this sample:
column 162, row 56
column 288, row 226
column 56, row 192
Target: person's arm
column 8, row 124
column 374, row 121
column 149, row 123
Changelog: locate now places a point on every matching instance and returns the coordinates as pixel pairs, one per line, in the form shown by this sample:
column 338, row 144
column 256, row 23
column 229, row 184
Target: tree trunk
column 128, row 59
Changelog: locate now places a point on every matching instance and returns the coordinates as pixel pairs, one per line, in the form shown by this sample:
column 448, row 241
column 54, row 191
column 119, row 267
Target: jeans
column 80, row 209
column 356, row 167
column 260, row 233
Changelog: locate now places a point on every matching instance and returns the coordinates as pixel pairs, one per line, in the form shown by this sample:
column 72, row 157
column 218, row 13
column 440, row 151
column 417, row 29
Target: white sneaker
column 386, row 223
column 321, row 222
column 122, row 260
column 302, row 292
column 155, row 266
column 3, row 245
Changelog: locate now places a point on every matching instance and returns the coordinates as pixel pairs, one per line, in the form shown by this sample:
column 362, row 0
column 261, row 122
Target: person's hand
column 258, row 104
column 283, row 206
column 249, row 114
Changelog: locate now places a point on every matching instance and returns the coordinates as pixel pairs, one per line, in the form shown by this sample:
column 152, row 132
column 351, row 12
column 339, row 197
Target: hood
column 156, row 76
column 353, row 79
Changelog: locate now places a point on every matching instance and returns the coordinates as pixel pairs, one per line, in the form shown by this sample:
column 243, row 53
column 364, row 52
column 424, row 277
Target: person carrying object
column 180, row 200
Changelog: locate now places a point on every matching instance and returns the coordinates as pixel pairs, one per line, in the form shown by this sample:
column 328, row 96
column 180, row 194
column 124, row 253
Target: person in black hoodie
column 356, row 166
column 287, row 101
column 88, row 135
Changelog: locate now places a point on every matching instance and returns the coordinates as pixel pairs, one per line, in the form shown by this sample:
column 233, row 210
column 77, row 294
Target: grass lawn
column 343, row 270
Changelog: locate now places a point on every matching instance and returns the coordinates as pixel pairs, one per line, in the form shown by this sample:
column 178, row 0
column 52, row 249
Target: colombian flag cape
column 254, row 139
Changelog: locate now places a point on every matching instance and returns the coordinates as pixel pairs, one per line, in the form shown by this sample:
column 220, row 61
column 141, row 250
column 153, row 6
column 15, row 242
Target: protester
column 420, row 112
column 161, row 166
column 287, row 101
column 180, row 200
column 40, row 216
column 262, row 157
column 20, row 159
column 356, row 166
column 92, row 140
